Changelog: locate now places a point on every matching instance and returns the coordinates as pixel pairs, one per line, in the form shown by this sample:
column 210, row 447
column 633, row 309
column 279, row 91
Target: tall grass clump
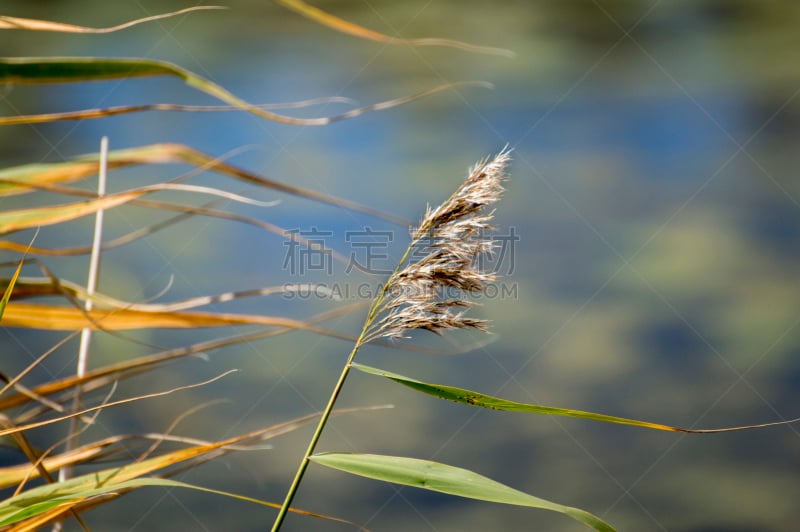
column 431, row 288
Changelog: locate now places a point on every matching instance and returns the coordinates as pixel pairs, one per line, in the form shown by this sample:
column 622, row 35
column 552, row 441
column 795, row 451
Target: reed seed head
column 429, row 293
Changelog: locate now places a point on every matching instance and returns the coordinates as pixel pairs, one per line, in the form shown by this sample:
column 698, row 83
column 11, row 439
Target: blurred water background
column 654, row 194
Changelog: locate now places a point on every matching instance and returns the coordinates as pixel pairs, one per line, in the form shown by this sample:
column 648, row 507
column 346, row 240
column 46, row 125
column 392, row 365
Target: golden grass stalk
column 452, row 237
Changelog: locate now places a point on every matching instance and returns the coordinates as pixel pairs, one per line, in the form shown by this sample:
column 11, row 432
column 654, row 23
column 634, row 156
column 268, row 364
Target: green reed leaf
column 82, row 69
column 469, row 397
column 448, row 479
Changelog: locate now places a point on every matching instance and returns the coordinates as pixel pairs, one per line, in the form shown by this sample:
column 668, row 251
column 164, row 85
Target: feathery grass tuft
column 430, row 293
column 453, row 235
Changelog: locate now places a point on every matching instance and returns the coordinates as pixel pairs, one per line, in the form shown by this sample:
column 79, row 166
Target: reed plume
column 430, row 293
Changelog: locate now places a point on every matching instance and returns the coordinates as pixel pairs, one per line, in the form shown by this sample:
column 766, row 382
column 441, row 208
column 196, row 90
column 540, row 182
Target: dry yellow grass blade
column 53, row 317
column 28, row 218
column 35, row 458
column 89, row 114
column 103, row 406
column 27, row 178
column 82, row 505
column 54, row 500
column 13, row 475
column 9, row 285
column 109, row 244
column 105, row 449
column 29, row 287
column 17, row 220
column 11, row 221
column 17, row 23
column 42, row 520
column 326, row 19
column 31, row 177
column 103, row 376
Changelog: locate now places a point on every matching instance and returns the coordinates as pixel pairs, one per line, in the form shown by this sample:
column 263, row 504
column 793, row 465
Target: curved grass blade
column 25, row 178
column 38, row 500
column 104, row 375
column 44, row 512
column 16, row 23
column 52, row 317
column 9, row 289
column 117, row 447
column 86, row 114
column 31, row 177
column 82, row 69
column 35, row 458
column 63, row 498
column 388, row 104
column 28, row 287
column 14, row 474
column 469, row 397
column 326, row 19
column 179, row 153
column 30, row 426
column 11, row 221
column 109, row 244
column 443, row 478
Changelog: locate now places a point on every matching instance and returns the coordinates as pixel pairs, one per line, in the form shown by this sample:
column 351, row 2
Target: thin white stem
column 91, row 287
